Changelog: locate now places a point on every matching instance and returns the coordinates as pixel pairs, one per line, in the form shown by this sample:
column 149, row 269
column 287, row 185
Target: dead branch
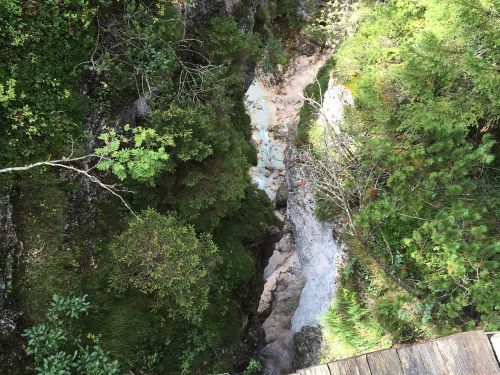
column 66, row 164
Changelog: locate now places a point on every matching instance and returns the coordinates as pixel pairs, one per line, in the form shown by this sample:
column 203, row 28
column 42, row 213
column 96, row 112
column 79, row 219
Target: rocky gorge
column 301, row 272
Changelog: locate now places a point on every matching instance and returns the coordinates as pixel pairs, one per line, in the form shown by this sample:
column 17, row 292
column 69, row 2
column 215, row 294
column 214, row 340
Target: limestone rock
column 277, row 356
column 285, row 296
column 130, row 114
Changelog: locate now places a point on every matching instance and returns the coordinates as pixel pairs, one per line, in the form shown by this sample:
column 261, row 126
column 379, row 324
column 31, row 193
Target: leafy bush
column 161, row 256
column 38, row 69
column 226, row 43
column 57, row 346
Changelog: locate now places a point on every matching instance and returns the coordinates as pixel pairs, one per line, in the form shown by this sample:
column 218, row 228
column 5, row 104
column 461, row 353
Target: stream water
column 271, row 151
column 300, row 277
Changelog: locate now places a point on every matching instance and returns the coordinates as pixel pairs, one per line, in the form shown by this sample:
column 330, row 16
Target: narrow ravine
column 301, row 273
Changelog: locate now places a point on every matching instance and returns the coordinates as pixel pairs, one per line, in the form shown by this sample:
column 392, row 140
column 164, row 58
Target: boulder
column 281, row 195
column 282, row 293
column 308, row 345
column 277, row 356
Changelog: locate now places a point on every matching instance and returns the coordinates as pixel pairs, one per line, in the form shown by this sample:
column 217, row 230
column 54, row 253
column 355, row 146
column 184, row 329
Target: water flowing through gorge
column 301, row 273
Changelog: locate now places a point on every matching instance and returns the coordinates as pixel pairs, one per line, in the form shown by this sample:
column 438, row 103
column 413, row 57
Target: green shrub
column 58, row 348
column 159, row 255
column 425, row 122
column 370, row 312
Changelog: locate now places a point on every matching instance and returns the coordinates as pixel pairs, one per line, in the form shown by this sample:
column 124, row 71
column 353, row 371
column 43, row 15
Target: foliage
column 57, row 346
column 211, row 176
column 39, row 104
column 284, row 18
column 227, row 44
column 308, row 112
column 142, row 161
column 425, row 125
column 159, row 255
column 41, row 206
column 70, row 77
column 370, row 312
column 166, row 343
column 136, row 52
column 252, row 367
column 235, row 237
column 274, row 55
column 335, row 21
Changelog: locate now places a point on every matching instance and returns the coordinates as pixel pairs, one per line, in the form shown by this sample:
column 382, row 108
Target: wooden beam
column 385, row 362
column 468, row 353
column 350, row 366
column 316, row 370
column 421, row 359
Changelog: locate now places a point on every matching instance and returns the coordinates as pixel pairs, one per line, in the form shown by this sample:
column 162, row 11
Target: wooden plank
column 350, row 366
column 422, row 359
column 468, row 353
column 362, row 363
column 359, row 365
column 385, row 362
column 494, row 338
column 480, row 352
column 336, row 368
column 316, row 370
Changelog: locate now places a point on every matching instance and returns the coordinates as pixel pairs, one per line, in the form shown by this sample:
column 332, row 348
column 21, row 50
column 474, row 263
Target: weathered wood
column 385, row 362
column 316, row 370
column 468, row 353
column 350, row 366
column 422, row 359
column 494, row 338
column 335, row 368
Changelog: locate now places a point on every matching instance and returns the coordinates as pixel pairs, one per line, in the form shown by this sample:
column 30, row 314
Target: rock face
column 280, row 297
column 201, row 13
column 278, row 356
column 286, row 288
column 10, row 252
column 316, row 247
column 308, row 346
column 11, row 249
column 130, row 114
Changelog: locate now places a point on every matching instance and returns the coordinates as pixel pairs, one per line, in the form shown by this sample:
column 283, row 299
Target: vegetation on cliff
column 417, row 184
column 141, row 102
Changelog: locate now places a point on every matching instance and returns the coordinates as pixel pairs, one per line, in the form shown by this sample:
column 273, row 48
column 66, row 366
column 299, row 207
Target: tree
column 161, row 256
column 57, row 345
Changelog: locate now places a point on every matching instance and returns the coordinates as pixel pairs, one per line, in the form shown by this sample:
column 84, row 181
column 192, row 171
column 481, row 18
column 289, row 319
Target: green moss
column 39, row 217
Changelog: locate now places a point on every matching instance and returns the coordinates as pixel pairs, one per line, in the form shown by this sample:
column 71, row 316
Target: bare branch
column 42, row 163
column 64, row 163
